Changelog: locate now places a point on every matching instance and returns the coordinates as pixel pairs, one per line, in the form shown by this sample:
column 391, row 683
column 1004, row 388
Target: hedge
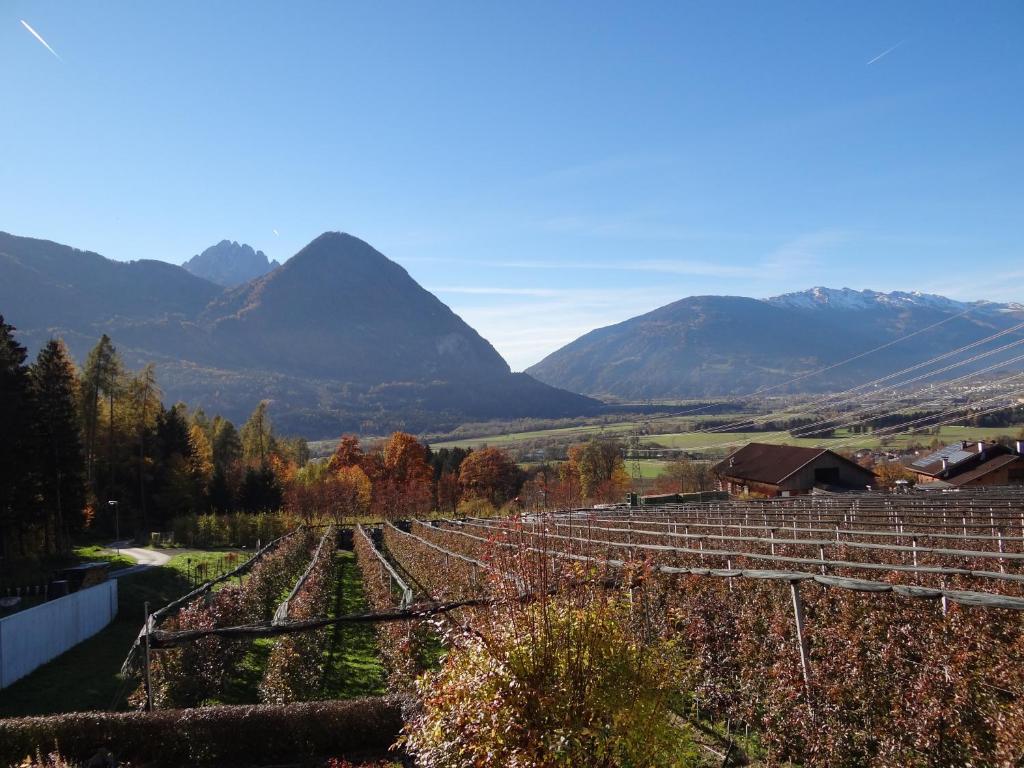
column 222, row 735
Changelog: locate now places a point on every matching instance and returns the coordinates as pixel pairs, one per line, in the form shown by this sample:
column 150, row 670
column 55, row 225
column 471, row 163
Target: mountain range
column 339, row 338
column 713, row 346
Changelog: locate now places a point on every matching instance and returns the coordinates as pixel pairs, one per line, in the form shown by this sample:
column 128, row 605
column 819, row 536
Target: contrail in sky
column 885, row 53
column 39, row 37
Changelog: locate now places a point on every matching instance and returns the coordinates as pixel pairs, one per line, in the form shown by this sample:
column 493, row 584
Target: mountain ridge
column 714, row 346
column 340, row 337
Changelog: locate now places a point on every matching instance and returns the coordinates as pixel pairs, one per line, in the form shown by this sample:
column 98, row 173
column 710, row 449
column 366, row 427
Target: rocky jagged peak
column 229, row 263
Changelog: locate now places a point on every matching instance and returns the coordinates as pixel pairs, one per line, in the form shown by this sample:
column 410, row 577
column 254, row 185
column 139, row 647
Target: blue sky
column 544, row 167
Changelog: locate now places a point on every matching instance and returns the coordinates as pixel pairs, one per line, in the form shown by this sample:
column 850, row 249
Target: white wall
column 30, row 638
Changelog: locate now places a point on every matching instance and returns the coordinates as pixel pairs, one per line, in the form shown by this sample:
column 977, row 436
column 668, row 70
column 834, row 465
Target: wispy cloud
column 795, row 254
column 527, row 322
column 804, row 251
column 39, row 37
column 684, row 267
column 885, row 53
column 634, row 225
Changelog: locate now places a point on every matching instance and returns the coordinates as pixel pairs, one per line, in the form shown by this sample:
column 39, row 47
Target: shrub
column 196, row 672
column 554, row 684
column 220, row 736
column 231, row 530
column 295, row 668
column 476, row 507
column 192, row 673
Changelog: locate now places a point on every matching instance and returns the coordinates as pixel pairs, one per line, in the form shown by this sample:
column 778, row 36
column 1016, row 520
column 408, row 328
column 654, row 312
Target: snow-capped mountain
column 850, row 299
column 714, row 346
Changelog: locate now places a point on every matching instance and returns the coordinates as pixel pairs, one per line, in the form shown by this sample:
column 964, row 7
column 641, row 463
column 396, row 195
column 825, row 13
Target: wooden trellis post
column 801, row 636
column 145, row 637
column 1002, row 550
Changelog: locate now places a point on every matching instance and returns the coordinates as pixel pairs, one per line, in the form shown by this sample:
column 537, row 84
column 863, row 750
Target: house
column 969, row 463
column 787, row 470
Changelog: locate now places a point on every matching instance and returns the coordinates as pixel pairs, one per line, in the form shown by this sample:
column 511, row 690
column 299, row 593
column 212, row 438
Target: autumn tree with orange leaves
column 599, row 468
column 491, row 474
column 348, row 454
column 401, row 478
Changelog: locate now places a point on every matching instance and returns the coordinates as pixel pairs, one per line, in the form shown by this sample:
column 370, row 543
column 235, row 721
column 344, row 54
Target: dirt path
column 146, row 558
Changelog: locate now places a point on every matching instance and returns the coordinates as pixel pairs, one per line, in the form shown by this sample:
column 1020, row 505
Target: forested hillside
column 338, row 339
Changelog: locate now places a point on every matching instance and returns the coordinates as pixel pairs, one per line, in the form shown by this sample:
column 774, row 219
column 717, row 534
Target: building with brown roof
column 970, row 463
column 788, row 470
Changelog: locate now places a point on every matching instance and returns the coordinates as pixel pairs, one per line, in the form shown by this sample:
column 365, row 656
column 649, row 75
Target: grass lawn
column 95, row 552
column 353, row 666
column 650, row 469
column 86, row 677
column 243, row 686
column 199, row 566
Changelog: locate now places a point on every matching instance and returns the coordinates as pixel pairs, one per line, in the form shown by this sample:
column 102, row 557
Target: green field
column 650, row 469
column 567, row 435
column 719, row 443
column 723, row 442
column 571, row 434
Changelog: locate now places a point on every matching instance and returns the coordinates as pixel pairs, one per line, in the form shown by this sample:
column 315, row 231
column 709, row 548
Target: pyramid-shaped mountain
column 338, row 338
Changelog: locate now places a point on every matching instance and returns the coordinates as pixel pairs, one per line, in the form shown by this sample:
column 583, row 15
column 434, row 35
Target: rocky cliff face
column 229, row 264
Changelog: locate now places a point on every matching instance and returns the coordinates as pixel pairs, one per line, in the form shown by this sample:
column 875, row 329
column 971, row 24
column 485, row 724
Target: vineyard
column 836, row 631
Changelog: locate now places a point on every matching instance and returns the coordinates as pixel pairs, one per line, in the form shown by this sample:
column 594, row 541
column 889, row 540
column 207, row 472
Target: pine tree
column 221, row 494
column 257, row 436
column 176, row 490
column 101, row 378
column 16, row 454
column 61, row 463
column 144, row 395
column 227, row 445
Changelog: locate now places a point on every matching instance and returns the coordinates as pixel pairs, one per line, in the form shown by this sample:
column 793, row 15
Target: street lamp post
column 117, row 526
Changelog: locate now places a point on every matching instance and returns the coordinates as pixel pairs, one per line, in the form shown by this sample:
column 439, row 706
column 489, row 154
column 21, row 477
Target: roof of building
column 772, row 464
column 954, row 454
column 984, row 468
